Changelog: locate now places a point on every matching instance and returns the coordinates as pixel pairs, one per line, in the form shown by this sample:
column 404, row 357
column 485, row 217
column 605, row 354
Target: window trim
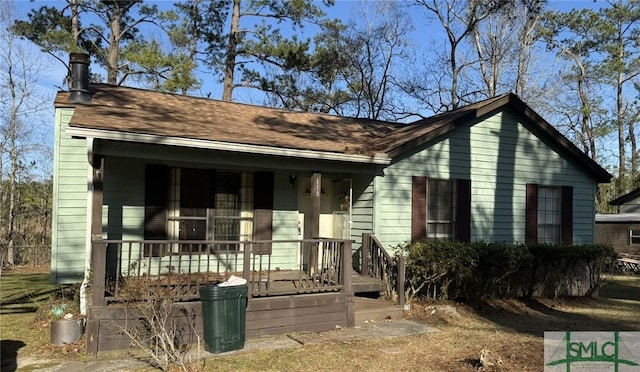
column 451, row 206
column 462, row 211
column 556, row 213
column 531, row 213
column 256, row 205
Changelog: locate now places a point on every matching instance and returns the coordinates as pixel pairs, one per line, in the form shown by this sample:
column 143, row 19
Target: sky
column 53, row 71
column 344, row 9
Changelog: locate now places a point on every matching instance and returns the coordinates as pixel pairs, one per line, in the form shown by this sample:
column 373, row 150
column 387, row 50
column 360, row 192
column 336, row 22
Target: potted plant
column 67, row 325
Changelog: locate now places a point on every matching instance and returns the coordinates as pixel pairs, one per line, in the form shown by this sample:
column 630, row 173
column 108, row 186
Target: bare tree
column 504, row 44
column 458, row 19
column 19, row 110
column 376, row 45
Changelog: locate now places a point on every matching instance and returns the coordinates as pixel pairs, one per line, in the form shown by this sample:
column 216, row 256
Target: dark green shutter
column 567, row 215
column 418, row 208
column 156, row 191
column 463, row 211
column 263, row 210
column 531, row 214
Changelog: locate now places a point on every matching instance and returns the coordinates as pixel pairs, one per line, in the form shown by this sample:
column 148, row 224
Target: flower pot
column 66, row 331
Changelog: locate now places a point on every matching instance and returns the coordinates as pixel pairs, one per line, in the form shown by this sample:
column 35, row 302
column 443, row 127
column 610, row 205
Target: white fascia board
column 379, row 158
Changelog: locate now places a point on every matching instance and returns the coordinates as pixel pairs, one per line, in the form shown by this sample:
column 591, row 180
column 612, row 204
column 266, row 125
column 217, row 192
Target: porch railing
column 125, row 269
column 378, row 263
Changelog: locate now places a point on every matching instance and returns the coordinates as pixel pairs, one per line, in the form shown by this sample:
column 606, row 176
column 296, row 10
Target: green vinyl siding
column 500, row 155
column 361, row 208
column 69, row 219
column 123, row 209
column 285, row 222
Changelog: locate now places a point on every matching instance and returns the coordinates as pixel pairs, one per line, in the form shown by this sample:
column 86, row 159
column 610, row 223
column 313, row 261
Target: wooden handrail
column 383, row 251
column 376, row 262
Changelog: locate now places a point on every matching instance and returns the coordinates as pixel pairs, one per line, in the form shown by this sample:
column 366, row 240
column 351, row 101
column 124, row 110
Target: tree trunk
column 589, row 141
column 75, row 24
column 634, row 151
column 114, row 48
column 230, row 65
column 622, row 160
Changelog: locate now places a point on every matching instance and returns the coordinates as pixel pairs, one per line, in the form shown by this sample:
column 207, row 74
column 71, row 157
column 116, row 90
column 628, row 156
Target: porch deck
column 316, row 295
column 291, row 282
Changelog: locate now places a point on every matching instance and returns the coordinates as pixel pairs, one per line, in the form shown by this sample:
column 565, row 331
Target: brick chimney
column 79, row 64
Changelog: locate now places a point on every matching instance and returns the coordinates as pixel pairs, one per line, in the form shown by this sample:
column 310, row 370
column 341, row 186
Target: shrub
column 557, row 268
column 499, row 269
column 444, row 269
column 159, row 329
column 437, row 266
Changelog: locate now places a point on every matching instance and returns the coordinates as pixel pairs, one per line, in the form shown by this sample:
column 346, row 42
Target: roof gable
column 422, row 131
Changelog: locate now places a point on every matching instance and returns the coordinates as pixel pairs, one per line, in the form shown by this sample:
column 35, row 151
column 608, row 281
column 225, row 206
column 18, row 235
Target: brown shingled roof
column 140, row 111
column 132, row 110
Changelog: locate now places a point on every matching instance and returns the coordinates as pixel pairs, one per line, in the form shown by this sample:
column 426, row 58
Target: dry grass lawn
column 497, row 335
column 506, row 334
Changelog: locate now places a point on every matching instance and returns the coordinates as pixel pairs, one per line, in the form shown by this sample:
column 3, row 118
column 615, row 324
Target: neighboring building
column 174, row 181
column 621, row 230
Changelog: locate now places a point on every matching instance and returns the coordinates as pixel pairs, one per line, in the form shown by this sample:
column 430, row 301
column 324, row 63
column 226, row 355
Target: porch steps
column 365, row 284
column 373, row 309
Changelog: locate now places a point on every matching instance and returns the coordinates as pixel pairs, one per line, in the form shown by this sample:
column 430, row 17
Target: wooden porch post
column 316, row 192
column 365, row 254
column 402, row 262
column 347, row 277
column 246, row 268
column 98, row 255
column 98, row 251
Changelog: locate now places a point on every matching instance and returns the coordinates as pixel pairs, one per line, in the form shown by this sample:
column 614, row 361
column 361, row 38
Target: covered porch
column 138, row 252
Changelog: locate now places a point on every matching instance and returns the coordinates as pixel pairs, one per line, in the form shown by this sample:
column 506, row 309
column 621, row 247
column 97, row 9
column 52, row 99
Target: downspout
column 87, row 239
column 89, row 228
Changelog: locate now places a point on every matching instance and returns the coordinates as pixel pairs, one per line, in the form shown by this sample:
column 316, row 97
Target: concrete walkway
column 368, row 330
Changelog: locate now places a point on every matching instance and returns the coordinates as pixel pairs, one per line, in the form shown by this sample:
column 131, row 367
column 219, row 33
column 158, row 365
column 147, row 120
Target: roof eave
column 626, row 197
column 378, row 158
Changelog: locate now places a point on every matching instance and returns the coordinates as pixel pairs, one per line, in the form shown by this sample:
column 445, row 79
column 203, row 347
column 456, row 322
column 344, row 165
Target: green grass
column 23, row 293
column 24, row 330
column 621, row 287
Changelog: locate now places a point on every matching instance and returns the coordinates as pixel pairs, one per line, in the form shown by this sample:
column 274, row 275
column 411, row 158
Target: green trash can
column 223, row 317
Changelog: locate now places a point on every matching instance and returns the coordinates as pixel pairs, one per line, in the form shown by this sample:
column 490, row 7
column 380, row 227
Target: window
column 208, row 205
column 549, row 217
column 440, row 209
column 549, row 214
column 187, row 204
column 634, row 236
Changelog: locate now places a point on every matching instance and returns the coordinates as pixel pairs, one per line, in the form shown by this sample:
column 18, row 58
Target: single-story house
column 621, row 230
column 165, row 186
